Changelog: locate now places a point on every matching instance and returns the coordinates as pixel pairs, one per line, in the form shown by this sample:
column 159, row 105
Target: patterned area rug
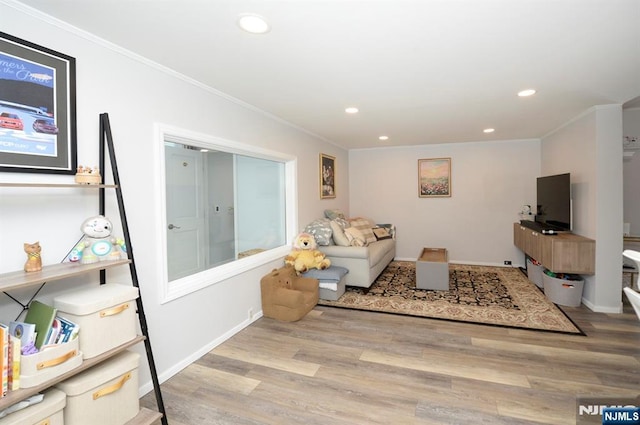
column 478, row 294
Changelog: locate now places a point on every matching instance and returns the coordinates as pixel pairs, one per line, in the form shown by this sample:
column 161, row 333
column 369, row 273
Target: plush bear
column 97, row 244
column 305, row 255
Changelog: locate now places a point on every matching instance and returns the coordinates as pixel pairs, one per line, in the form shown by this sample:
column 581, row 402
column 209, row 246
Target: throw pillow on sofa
column 365, row 227
column 355, row 236
column 339, row 236
column 333, row 214
column 321, row 231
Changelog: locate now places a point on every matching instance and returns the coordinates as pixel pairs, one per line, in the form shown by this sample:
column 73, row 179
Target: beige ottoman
column 432, row 269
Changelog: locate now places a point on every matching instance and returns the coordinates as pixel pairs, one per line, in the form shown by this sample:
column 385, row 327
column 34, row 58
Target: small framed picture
column 434, row 178
column 327, row 176
column 37, row 108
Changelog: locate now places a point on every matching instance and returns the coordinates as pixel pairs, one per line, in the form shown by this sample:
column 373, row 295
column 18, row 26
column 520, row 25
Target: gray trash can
column 567, row 292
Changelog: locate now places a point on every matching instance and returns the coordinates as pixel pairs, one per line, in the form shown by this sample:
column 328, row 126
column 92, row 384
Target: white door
column 186, row 232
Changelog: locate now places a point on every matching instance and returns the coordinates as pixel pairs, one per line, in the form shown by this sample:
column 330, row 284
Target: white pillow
column 338, row 234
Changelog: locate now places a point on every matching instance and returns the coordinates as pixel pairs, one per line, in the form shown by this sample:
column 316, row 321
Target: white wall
column 490, row 183
column 589, row 148
column 631, row 169
column 137, row 95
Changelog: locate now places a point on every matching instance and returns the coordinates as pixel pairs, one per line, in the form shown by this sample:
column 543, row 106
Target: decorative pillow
column 391, row 228
column 321, row 231
column 365, row 228
column 333, row 214
column 338, row 233
column 355, row 236
column 381, row 233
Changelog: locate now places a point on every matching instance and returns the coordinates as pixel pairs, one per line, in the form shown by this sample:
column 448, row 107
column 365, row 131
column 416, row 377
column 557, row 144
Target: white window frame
column 178, row 288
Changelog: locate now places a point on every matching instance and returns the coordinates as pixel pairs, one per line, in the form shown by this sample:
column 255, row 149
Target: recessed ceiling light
column 351, row 110
column 383, row 138
column 489, row 130
column 254, row 24
column 525, row 93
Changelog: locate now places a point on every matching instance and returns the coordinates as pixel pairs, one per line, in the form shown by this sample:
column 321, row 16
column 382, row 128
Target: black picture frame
column 37, row 108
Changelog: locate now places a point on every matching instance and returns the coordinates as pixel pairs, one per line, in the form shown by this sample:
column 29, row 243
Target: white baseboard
column 470, row 263
column 175, row 369
column 602, row 309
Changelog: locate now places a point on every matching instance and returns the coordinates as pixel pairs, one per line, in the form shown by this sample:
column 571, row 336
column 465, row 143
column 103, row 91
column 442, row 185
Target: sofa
column 357, row 244
column 365, row 263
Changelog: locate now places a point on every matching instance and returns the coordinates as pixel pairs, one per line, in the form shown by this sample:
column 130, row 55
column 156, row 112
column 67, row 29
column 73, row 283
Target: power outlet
column 250, row 314
column 507, row 262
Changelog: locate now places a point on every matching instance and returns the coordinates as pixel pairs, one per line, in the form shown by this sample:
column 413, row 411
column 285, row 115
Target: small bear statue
column 34, row 261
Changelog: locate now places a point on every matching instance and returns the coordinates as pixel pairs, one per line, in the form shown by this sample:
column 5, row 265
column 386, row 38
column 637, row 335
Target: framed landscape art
column 327, row 176
column 37, row 108
column 434, row 178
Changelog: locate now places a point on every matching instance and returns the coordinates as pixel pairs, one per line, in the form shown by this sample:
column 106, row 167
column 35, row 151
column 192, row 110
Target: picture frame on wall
column 37, row 108
column 434, row 178
column 327, row 176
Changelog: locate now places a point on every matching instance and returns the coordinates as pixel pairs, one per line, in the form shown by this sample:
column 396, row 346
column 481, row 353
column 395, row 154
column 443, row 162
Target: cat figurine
column 34, row 262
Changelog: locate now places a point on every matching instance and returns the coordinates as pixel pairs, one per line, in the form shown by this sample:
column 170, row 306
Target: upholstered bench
column 331, row 281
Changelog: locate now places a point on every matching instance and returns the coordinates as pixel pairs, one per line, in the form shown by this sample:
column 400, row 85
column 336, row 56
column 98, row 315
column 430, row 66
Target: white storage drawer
column 48, row 411
column 106, row 394
column 106, row 315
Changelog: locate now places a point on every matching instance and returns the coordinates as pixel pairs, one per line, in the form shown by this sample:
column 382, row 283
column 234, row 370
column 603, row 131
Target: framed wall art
column 327, row 176
column 37, row 108
column 434, row 178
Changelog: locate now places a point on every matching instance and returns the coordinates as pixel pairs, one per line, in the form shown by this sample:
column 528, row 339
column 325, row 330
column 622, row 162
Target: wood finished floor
column 343, row 367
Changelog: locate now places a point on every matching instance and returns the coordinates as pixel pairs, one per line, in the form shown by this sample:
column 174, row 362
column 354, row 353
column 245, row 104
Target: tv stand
column 560, row 253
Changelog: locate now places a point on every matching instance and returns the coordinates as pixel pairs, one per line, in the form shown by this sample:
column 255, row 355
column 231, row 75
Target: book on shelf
column 68, row 330
column 62, row 330
column 41, row 315
column 25, row 331
column 4, row 359
column 14, row 363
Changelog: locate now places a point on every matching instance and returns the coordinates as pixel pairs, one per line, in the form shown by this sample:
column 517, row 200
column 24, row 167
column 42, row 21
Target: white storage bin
column 106, row 394
column 49, row 363
column 562, row 291
column 534, row 273
column 330, row 294
column 106, row 315
column 48, row 411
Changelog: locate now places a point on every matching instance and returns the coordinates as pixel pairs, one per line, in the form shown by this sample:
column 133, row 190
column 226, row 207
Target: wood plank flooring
column 343, row 367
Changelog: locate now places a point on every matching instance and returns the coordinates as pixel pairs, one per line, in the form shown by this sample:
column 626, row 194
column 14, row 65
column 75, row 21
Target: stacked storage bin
column 106, row 394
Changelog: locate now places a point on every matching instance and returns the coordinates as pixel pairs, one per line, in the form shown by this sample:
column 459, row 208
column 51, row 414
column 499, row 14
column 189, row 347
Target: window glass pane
column 221, row 207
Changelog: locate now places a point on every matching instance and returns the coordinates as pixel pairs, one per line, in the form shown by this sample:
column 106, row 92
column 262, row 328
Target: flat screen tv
column 554, row 202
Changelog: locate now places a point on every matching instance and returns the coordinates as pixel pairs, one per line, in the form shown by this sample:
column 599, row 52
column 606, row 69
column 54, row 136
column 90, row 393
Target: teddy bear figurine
column 97, row 244
column 305, row 256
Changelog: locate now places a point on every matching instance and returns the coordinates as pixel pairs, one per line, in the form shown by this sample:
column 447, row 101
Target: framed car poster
column 37, row 108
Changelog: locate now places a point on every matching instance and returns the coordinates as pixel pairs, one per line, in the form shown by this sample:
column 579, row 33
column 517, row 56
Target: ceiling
column 420, row 72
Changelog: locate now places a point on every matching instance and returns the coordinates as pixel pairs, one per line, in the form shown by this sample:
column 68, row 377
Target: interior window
column 226, row 210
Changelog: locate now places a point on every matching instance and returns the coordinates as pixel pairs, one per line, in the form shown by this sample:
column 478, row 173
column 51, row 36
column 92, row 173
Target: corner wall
column 590, row 148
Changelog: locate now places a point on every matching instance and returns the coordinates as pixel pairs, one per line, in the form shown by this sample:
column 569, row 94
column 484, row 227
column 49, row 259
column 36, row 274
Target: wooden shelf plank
column 60, row 185
column 20, row 279
column 145, row 417
column 15, row 396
